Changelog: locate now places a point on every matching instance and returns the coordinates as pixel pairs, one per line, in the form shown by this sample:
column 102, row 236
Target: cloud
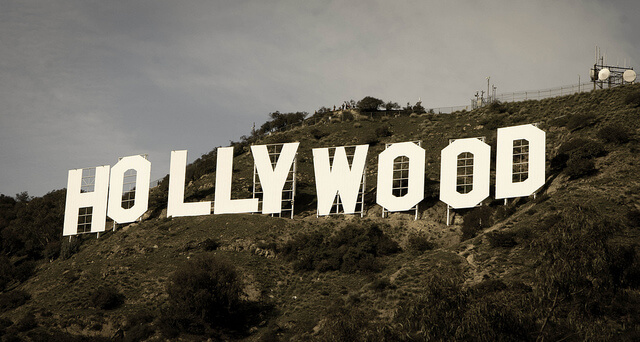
column 87, row 82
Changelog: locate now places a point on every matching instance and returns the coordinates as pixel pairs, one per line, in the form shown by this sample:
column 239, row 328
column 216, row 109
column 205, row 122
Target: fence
column 523, row 96
column 545, row 93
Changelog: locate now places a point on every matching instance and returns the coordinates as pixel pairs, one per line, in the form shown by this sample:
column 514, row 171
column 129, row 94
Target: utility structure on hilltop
column 612, row 76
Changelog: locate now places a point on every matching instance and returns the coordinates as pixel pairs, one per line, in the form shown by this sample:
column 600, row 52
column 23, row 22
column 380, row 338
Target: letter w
column 338, row 179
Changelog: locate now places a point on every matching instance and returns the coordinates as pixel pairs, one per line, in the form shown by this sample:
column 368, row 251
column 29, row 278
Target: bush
column 383, row 131
column 13, row 299
column 578, row 121
column 370, row 139
column 614, row 134
column 476, row 220
column 502, row 239
column 582, row 148
column 52, row 250
column 419, row 243
column 578, row 168
column 494, row 121
column 210, row 244
column 633, row 99
column 70, row 247
column 317, row 133
column 633, row 217
column 106, row 298
column 351, row 249
column 369, row 104
column 205, row 292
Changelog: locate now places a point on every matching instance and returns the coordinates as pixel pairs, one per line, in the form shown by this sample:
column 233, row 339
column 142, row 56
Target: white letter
column 272, row 180
column 505, row 187
column 223, row 203
column 97, row 200
column 449, row 173
column 141, row 196
column 339, row 178
column 415, row 194
column 176, row 206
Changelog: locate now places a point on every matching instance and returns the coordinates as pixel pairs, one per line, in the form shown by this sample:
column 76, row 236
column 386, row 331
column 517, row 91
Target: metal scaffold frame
column 401, row 179
column 85, row 214
column 464, row 174
column 289, row 189
column 336, row 206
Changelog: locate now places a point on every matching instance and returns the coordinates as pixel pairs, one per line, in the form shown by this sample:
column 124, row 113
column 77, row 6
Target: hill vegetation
column 561, row 265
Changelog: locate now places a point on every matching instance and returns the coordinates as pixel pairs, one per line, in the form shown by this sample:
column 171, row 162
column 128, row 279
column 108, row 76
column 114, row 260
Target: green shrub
column 106, row 298
column 210, row 244
column 350, row 249
column 578, row 121
column 205, row 297
column 502, row 239
column 494, row 121
column 582, row 148
column 419, row 243
column 633, row 217
column 317, row 133
column 616, row 134
column 633, row 99
column 476, row 220
column 52, row 250
column 578, row 168
column 370, row 139
column 13, row 299
column 383, row 131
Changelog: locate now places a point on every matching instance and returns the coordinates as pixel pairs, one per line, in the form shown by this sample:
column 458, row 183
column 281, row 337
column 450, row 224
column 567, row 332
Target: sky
column 83, row 83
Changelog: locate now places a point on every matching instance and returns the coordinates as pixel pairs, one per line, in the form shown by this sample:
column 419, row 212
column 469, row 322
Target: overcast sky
column 85, row 82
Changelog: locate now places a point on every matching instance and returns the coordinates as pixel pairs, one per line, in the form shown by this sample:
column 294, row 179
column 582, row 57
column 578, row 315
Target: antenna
column 603, row 75
column 629, row 76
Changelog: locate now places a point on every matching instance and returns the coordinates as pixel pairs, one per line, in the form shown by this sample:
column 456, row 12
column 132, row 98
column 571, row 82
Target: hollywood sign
column 332, row 178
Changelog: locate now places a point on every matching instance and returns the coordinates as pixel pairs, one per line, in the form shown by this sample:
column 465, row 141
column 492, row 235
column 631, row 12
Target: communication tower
column 610, row 75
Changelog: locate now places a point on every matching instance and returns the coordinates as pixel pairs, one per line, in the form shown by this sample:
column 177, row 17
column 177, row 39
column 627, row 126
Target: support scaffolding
column 464, row 175
column 336, row 206
column 289, row 189
column 401, row 179
column 85, row 214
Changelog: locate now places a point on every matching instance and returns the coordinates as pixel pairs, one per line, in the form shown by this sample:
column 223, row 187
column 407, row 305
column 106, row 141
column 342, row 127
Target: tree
column 369, row 104
column 418, row 108
column 392, row 106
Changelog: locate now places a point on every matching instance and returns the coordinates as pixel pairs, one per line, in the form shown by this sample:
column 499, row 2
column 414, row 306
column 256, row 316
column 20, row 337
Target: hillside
column 564, row 265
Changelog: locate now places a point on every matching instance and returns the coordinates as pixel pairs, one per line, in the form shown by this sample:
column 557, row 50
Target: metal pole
column 447, row 214
column 488, row 94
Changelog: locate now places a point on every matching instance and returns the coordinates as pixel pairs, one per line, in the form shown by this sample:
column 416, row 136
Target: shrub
column 613, row 134
column 633, row 99
column 369, row 104
column 383, row 131
column 204, row 292
column 578, row 121
column 347, row 322
column 419, row 243
column 633, row 217
column 476, row 220
column 582, row 148
column 577, row 168
column 106, row 298
column 381, row 284
column 494, row 121
column 370, row 139
column 502, row 239
column 210, row 244
column 350, row 249
column 52, row 250
column 13, row 299
column 70, row 247
column 317, row 133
